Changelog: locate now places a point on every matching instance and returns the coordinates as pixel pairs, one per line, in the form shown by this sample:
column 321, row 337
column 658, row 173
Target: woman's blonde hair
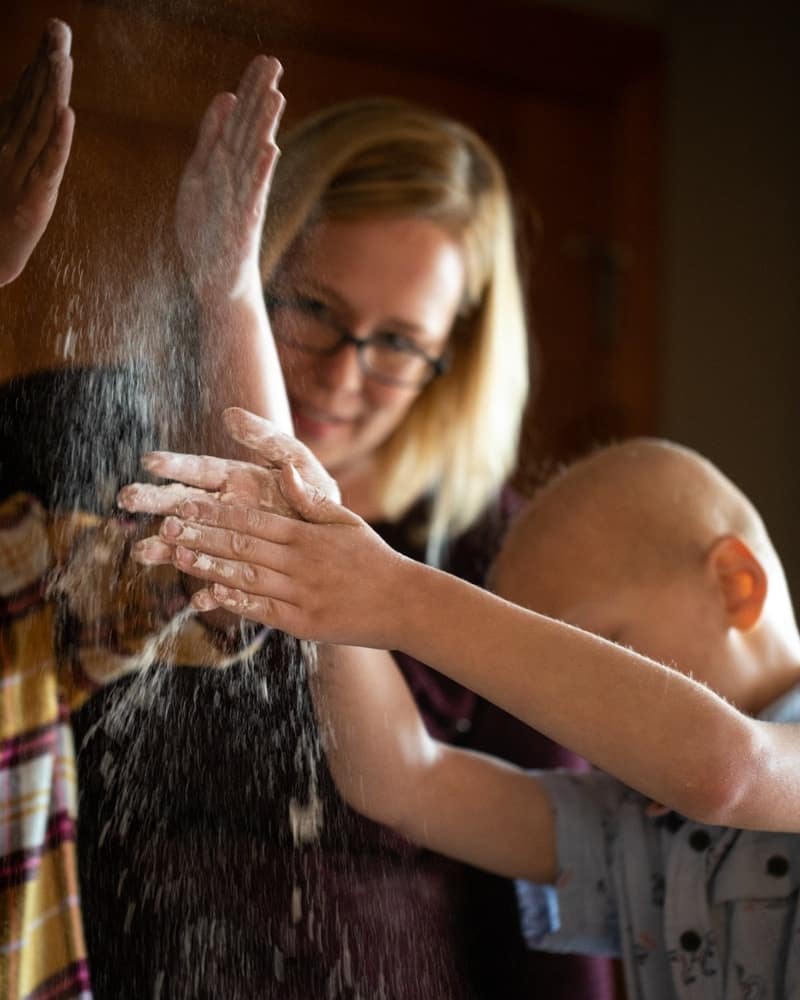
column 384, row 157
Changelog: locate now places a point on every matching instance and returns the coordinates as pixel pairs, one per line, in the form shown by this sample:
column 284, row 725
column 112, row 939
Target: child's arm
column 469, row 806
column 36, row 127
column 219, row 219
column 658, row 731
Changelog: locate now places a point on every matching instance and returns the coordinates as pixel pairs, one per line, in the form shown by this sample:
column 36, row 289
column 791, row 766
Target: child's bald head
column 647, row 543
column 642, row 507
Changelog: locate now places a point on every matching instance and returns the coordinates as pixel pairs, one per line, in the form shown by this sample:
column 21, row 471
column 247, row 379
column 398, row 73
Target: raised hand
column 36, row 127
column 223, row 191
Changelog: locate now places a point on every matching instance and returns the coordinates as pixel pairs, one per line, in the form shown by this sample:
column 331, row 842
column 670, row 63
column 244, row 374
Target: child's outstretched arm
column 219, row 216
column 645, row 723
column 468, row 806
column 36, row 127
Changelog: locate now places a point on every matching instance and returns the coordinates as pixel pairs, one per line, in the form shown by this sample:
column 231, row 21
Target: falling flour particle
column 121, row 881
column 305, row 820
column 278, row 965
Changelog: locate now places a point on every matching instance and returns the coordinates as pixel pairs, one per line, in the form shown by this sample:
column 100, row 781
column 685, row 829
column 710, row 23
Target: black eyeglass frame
column 436, row 366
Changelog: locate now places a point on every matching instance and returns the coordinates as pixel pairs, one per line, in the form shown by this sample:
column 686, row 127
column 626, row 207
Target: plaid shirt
column 74, row 613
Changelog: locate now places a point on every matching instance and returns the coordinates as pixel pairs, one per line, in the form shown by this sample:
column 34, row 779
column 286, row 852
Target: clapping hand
column 36, row 127
column 223, row 190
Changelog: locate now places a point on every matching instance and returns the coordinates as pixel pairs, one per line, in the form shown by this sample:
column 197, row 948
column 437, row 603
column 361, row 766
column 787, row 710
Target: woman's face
column 399, row 279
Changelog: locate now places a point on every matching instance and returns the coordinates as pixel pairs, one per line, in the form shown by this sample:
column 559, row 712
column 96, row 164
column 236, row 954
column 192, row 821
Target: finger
column 255, row 165
column 145, row 498
column 272, row 447
column 212, row 125
column 263, row 112
column 203, row 600
column 266, row 610
column 247, row 520
column 27, row 96
column 250, row 91
column 59, row 36
column 253, row 579
column 152, row 552
column 41, row 125
column 234, row 126
column 224, row 543
column 260, row 77
column 60, row 81
column 255, row 187
column 310, row 503
column 261, row 436
column 204, row 471
column 48, row 172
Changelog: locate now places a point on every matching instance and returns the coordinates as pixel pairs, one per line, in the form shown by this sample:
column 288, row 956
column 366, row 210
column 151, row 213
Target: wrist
column 412, row 604
column 219, row 294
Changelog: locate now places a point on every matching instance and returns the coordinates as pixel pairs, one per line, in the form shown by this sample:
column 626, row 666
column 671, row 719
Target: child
column 645, row 544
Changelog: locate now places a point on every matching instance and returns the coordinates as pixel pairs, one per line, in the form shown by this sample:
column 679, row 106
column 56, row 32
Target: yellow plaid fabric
column 75, row 612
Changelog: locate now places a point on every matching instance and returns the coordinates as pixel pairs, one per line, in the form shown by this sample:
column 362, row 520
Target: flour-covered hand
column 326, row 576
column 223, row 191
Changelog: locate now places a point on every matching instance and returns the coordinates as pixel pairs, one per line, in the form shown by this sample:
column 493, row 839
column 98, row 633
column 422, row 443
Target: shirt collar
column 785, row 709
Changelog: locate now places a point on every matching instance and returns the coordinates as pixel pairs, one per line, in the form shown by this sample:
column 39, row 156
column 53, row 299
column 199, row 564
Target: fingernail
column 203, row 601
column 221, row 593
column 149, row 460
column 189, row 510
column 150, row 551
column 188, row 558
column 188, row 532
column 172, row 528
column 126, row 496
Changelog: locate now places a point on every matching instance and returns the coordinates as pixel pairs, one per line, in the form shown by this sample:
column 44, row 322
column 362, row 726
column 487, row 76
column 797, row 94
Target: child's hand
column 223, row 191
column 36, row 127
column 333, row 580
column 235, row 483
column 241, row 484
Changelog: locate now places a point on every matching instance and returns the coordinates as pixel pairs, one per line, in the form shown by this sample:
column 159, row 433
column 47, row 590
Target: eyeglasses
column 391, row 358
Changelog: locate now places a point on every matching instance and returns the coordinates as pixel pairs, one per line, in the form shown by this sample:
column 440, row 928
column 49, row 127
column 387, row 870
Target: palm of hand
column 223, row 191
column 218, row 236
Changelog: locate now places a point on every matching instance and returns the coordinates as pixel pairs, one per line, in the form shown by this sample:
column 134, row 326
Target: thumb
column 272, row 447
column 310, row 503
column 269, row 445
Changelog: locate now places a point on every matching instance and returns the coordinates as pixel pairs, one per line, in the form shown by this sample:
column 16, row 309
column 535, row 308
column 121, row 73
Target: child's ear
column 741, row 579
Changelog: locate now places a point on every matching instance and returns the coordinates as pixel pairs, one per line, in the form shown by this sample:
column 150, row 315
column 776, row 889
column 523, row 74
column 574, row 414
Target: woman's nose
column 342, row 369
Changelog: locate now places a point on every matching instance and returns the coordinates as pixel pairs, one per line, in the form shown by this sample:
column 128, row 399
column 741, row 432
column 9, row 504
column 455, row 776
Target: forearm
column 474, row 808
column 240, row 362
column 644, row 723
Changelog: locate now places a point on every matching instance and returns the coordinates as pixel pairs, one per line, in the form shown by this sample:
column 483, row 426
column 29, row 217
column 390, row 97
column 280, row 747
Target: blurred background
column 653, row 152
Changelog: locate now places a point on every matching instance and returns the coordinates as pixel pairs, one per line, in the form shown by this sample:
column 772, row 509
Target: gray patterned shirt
column 695, row 911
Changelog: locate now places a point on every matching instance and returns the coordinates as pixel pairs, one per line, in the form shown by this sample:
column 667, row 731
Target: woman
column 390, row 279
